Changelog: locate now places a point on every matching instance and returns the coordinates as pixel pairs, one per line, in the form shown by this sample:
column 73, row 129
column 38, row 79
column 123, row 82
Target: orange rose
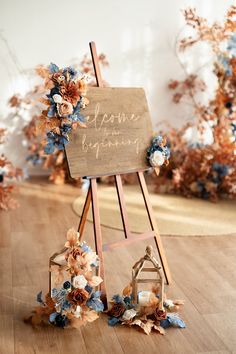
column 78, row 297
column 64, row 109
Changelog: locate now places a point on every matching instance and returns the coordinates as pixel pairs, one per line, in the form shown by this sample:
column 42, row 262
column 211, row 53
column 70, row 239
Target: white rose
column 77, row 312
column 57, row 98
column 157, row 159
column 169, row 303
column 79, row 282
column 128, row 315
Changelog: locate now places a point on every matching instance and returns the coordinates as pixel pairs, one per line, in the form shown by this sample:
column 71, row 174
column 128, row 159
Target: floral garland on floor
column 73, row 302
column 8, row 175
column 65, row 101
column 148, row 317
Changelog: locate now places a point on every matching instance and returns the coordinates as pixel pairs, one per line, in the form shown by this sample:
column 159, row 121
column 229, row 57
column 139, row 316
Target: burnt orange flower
column 70, row 92
column 58, row 78
column 78, row 297
column 117, row 310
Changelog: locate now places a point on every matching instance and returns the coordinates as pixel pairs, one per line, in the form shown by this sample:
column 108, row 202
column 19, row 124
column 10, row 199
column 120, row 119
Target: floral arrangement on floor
column 29, row 108
column 74, row 300
column 148, row 316
column 8, row 175
column 149, row 310
column 200, row 166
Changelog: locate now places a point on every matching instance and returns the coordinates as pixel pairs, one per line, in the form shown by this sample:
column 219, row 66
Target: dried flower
column 79, row 282
column 128, row 315
column 78, row 297
column 64, row 108
column 159, row 314
column 117, row 310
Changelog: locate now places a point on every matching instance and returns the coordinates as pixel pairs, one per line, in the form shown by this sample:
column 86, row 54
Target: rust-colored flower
column 64, row 109
column 58, row 78
column 159, row 314
column 70, row 92
column 76, row 251
column 117, row 310
column 78, row 297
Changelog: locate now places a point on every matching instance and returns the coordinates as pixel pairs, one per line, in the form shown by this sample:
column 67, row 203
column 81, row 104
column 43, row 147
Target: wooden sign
column 117, row 136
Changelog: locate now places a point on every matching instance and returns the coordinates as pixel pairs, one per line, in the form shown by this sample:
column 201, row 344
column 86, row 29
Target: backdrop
column 138, row 37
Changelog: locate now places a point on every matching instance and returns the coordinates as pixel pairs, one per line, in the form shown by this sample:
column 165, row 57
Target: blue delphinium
column 94, row 302
column 220, row 169
column 73, row 73
column 231, row 47
column 55, row 140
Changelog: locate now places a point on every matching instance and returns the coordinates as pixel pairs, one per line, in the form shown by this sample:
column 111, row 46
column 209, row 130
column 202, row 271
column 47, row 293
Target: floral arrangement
column 8, row 175
column 64, row 104
column 29, row 108
column 147, row 316
column 158, row 153
column 74, row 300
column 204, row 167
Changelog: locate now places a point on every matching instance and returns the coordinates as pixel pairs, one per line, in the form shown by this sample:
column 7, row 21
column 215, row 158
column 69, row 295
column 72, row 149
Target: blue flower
column 55, row 141
column 157, row 140
column 172, row 320
column 53, row 68
column 61, row 320
column 232, row 45
column 66, row 285
column 85, row 247
column 222, row 170
column 88, row 288
column 226, row 64
column 117, row 298
column 166, row 152
column 39, row 298
column 52, row 110
column 71, row 71
column 112, row 321
column 66, row 305
column 35, row 159
column 95, row 303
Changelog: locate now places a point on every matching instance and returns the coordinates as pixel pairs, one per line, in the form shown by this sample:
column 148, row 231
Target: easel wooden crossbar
column 92, row 198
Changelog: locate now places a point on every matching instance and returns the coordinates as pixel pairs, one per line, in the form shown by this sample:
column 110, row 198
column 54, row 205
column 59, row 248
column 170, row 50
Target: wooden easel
column 92, row 198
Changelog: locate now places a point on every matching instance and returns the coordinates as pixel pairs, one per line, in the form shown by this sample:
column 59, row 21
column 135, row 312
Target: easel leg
column 154, row 227
column 84, row 213
column 98, row 236
column 123, row 212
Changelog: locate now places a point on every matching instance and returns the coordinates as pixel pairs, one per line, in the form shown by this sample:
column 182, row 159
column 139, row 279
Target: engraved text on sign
column 117, row 136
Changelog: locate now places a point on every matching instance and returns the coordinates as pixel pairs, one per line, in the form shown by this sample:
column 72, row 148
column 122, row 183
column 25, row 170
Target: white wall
column 138, row 37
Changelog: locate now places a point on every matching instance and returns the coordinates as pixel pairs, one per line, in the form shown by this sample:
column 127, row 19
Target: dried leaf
column 95, row 281
column 127, row 290
column 145, row 325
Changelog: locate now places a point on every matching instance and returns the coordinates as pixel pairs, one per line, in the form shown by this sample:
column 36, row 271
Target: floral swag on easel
column 65, row 101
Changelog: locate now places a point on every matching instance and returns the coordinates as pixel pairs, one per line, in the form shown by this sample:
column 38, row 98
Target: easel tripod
column 92, row 198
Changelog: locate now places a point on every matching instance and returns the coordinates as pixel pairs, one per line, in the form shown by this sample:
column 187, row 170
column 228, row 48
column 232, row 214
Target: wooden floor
column 203, row 270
